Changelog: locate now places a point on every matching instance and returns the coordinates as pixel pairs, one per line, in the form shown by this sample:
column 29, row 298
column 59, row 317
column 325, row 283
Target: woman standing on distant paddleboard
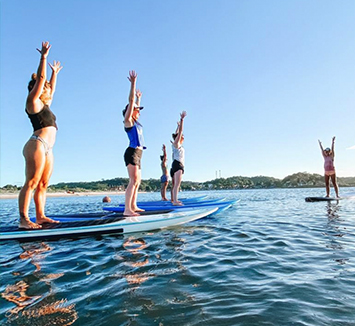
column 133, row 153
column 177, row 167
column 38, row 150
column 329, row 169
column 164, row 180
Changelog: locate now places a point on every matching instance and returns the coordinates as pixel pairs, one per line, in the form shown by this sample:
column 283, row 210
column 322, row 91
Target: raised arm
column 164, row 153
column 55, row 70
column 180, row 129
column 333, row 141
column 41, row 75
column 321, row 147
column 138, row 97
column 128, row 116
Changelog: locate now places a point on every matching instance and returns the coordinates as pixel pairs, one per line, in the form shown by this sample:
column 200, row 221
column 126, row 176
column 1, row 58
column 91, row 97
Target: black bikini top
column 42, row 119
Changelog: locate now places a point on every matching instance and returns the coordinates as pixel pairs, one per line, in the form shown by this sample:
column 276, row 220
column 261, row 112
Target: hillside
column 297, row 180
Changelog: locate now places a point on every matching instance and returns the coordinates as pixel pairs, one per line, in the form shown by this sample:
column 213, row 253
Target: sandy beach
column 68, row 194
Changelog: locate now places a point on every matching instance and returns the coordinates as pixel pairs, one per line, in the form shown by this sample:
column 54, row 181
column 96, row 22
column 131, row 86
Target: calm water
column 273, row 259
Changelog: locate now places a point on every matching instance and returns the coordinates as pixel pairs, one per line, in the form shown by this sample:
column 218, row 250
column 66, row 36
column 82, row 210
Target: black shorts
column 133, row 156
column 176, row 166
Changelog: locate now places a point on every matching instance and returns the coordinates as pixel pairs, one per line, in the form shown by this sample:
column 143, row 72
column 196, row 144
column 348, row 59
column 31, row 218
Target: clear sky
column 261, row 81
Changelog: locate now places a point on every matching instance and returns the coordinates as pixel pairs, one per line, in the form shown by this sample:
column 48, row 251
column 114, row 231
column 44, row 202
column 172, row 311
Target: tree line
column 297, row 180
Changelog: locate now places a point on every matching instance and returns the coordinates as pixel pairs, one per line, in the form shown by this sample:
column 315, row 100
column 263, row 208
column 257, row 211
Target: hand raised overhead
column 56, row 67
column 45, row 49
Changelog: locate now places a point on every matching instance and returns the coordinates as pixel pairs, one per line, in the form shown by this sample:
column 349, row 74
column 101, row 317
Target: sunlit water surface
column 272, row 259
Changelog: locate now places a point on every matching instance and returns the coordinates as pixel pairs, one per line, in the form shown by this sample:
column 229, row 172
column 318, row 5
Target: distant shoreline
column 67, row 194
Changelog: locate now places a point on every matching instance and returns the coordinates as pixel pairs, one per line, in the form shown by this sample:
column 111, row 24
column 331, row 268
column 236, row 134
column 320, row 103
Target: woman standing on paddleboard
column 164, row 180
column 133, row 153
column 38, row 149
column 329, row 169
column 177, row 167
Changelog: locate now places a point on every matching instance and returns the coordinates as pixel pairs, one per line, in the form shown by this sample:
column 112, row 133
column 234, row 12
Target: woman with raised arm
column 329, row 169
column 38, row 149
column 133, row 153
column 177, row 167
column 164, row 180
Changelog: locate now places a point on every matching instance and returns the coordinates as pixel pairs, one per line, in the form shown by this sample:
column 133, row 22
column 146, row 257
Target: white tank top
column 179, row 154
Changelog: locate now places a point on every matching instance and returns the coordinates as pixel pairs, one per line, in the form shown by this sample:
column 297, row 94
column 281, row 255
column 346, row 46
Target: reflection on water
column 136, row 260
column 37, row 309
column 332, row 210
column 335, row 231
column 17, row 294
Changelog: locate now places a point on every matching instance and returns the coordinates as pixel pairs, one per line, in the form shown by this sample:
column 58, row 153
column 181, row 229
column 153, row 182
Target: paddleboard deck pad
column 99, row 215
column 218, row 203
column 190, row 201
column 116, row 225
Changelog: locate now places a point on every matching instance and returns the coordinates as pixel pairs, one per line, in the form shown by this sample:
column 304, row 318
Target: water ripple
column 273, row 259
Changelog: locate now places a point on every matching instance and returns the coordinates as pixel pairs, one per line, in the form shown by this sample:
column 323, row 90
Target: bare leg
column 327, row 184
column 40, row 193
column 335, row 184
column 163, row 190
column 171, row 190
column 135, row 193
column 34, row 155
column 177, row 182
column 131, row 189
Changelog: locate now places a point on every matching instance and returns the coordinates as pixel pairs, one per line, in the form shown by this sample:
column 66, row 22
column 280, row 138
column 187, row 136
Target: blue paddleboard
column 169, row 204
column 217, row 203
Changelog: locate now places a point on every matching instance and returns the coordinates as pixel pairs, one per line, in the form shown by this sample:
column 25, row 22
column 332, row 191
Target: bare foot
column 164, row 199
column 137, row 209
column 25, row 223
column 178, row 203
column 130, row 213
column 45, row 219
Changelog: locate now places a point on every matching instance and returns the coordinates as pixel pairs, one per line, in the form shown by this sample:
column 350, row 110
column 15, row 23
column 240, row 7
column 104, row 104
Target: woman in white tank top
column 177, row 167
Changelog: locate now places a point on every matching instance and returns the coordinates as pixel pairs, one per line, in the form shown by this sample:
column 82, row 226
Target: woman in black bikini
column 38, row 150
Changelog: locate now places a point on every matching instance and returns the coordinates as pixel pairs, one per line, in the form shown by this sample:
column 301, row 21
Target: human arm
column 177, row 140
column 37, row 89
column 55, row 70
column 321, row 147
column 128, row 121
column 333, row 141
column 138, row 97
column 164, row 153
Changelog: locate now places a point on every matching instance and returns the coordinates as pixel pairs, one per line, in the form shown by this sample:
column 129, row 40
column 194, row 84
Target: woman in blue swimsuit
column 134, row 151
column 164, row 180
column 38, row 150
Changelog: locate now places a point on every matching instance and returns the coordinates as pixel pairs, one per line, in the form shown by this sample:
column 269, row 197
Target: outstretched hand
column 164, row 147
column 132, row 76
column 45, row 49
column 56, row 67
column 333, row 140
column 183, row 114
column 138, row 93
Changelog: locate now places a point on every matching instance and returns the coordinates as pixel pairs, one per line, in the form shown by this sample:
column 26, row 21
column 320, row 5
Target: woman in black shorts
column 133, row 153
column 177, row 167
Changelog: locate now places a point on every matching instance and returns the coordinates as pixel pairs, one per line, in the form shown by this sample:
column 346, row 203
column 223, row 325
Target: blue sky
column 261, row 82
